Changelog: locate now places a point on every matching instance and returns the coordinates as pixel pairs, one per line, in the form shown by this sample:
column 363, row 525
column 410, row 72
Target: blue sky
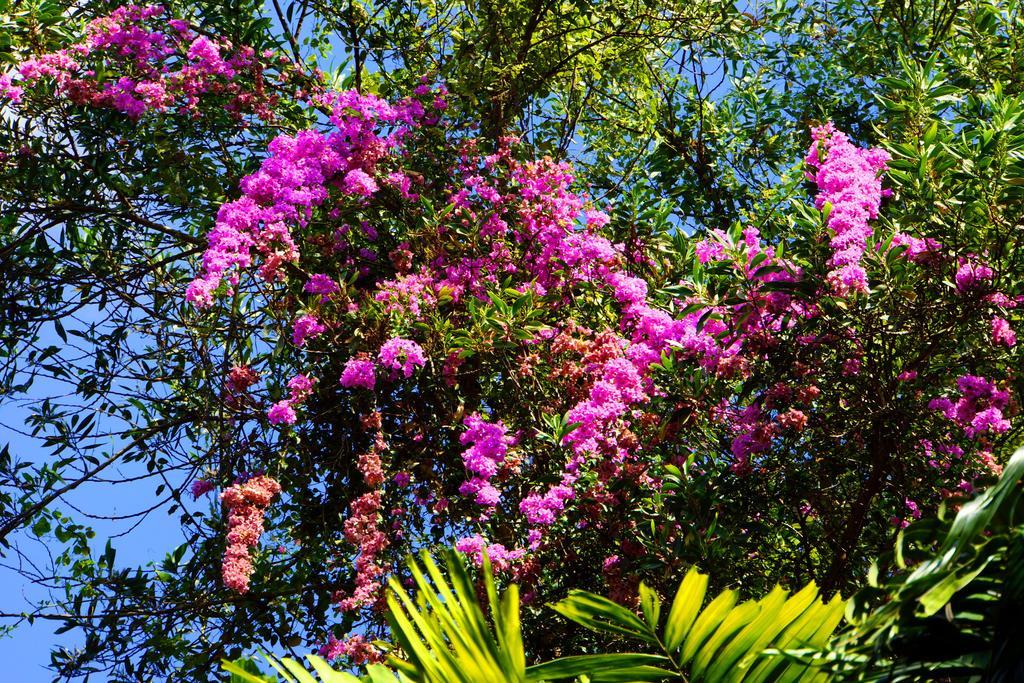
column 25, row 652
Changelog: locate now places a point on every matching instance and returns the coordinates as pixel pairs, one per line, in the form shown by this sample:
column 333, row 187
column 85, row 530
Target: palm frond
column 723, row 642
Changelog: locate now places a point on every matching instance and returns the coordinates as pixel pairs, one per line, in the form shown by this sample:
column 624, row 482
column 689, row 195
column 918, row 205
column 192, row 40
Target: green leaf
column 41, row 527
column 602, row 615
column 651, row 606
column 242, row 674
column 706, row 623
column 328, row 674
column 936, row 597
column 685, row 608
column 770, row 618
column 718, row 637
column 971, row 521
column 594, row 666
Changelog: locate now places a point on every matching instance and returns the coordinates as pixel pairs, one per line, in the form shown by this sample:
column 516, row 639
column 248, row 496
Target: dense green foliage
column 952, row 609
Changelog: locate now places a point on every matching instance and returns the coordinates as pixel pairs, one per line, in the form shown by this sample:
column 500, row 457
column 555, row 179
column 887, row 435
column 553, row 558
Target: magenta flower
column 979, row 409
column 359, row 182
column 402, row 354
column 321, row 284
column 972, row 274
column 709, row 250
column 202, row 486
column 8, row 90
column 1002, row 333
column 282, row 413
column 918, row 250
column 543, row 509
column 300, row 387
column 848, row 180
column 475, row 546
column 358, row 372
column 306, row 327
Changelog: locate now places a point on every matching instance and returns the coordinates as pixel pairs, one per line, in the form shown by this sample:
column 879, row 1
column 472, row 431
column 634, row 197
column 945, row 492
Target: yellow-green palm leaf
column 724, row 642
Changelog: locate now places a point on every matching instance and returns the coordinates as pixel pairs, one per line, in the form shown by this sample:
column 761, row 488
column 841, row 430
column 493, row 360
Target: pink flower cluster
column 240, row 378
column 282, row 413
column 713, row 336
column 409, row 295
column 488, row 443
column 402, row 355
column 848, row 179
column 618, row 386
column 8, row 90
column 919, row 250
column 306, row 327
column 246, row 504
column 913, row 509
column 711, row 249
column 475, row 546
column 357, row 648
column 300, row 388
column 359, row 372
column 296, row 178
column 323, row 285
column 557, row 253
column 236, row 386
column 151, row 68
column 754, row 434
column 1002, row 333
column 362, row 528
column 971, row 274
column 544, row 508
column 979, row 409
column 201, row 487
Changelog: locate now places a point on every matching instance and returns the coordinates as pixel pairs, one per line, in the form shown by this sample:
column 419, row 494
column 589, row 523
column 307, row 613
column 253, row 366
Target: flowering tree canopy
column 388, row 315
